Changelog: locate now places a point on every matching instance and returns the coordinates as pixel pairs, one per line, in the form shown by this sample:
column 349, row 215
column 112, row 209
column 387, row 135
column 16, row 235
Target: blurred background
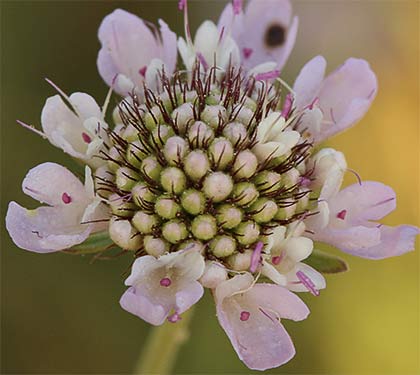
column 60, row 314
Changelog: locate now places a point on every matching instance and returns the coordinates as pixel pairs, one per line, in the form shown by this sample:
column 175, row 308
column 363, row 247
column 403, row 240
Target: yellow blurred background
column 60, row 314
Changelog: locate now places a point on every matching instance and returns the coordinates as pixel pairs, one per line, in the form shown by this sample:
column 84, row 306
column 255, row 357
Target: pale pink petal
column 169, row 47
column 359, row 203
column 251, row 320
column 46, row 229
column 188, row 296
column 358, row 238
column 141, row 306
column 127, row 46
column 394, row 241
column 309, row 81
column 249, row 30
column 345, row 96
column 85, row 106
column 54, row 184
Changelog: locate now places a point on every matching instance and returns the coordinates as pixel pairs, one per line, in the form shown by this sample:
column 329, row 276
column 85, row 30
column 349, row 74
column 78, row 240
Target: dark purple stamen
column 202, row 60
column 165, row 282
column 86, row 138
column 66, row 198
column 308, row 283
column 245, row 316
column 287, row 106
column 342, row 214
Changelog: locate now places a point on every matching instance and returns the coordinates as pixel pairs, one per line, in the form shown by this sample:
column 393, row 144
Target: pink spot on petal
column 256, row 257
column 237, row 6
column 165, row 282
column 142, row 71
column 86, row 138
column 66, row 198
column 308, row 283
column 276, row 260
column 342, row 214
column 245, row 316
column 247, row 52
column 174, row 318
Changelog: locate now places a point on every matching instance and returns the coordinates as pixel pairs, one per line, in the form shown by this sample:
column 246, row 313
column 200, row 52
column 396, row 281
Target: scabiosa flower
column 209, row 177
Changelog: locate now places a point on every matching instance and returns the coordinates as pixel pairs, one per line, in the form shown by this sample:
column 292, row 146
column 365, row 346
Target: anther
column 165, row 282
column 66, row 198
column 245, row 316
column 342, row 214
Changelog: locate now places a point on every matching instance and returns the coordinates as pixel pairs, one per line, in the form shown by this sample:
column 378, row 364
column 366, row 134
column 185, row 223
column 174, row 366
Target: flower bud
column 247, row 233
column 151, row 168
column 120, row 206
column 223, row 246
column 166, row 207
column 244, row 115
column 182, row 116
column 214, row 274
column 245, row 193
column 126, row 178
column 175, row 150
column 213, row 114
column 200, row 134
column 155, row 246
column 217, row 186
column 235, row 132
column 245, row 165
column 130, row 133
column 263, row 210
column 204, row 227
column 144, row 222
column 174, row 231
column 153, row 117
column 135, row 153
column 284, row 213
column 142, row 194
column 103, row 177
column 290, row 178
column 229, row 216
column 193, row 201
column 124, row 234
column 115, row 158
column 192, row 245
column 160, row 134
column 221, row 153
column 267, row 181
column 196, row 165
column 240, row 261
column 173, row 180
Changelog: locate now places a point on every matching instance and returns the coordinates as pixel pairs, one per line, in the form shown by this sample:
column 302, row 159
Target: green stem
column 162, row 346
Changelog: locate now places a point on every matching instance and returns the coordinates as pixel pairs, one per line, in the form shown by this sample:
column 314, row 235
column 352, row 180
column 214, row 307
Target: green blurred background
column 60, row 314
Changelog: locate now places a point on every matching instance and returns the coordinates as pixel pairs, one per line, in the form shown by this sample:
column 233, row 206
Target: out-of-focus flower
column 69, row 218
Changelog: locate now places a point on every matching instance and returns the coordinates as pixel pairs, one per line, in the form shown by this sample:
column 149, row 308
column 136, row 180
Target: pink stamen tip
column 142, row 71
column 247, row 52
column 308, row 283
column 165, row 282
column 174, row 318
column 245, row 316
column 276, row 260
column 256, row 257
column 202, row 60
column 342, row 214
column 237, row 7
column 86, row 138
column 66, row 198
column 181, row 4
column 287, row 106
column 267, row 75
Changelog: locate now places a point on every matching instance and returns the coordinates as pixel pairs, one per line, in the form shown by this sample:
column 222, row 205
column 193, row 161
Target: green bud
column 151, row 168
column 204, row 227
column 166, row 207
column 173, row 180
column 263, row 210
column 229, row 216
column 284, row 213
column 193, row 201
column 124, row 234
column 196, row 165
column 217, row 186
column 183, row 115
column 130, row 133
column 142, row 194
column 115, row 159
column 126, row 178
column 160, row 134
column 120, row 207
column 223, row 246
column 102, row 177
column 235, row 132
column 153, row 117
column 267, row 181
column 245, row 193
column 155, row 246
column 174, row 231
column 247, row 233
column 175, row 150
column 221, row 153
column 245, row 165
column 135, row 153
column 240, row 261
column 200, row 134
column 144, row 222
column 212, row 113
